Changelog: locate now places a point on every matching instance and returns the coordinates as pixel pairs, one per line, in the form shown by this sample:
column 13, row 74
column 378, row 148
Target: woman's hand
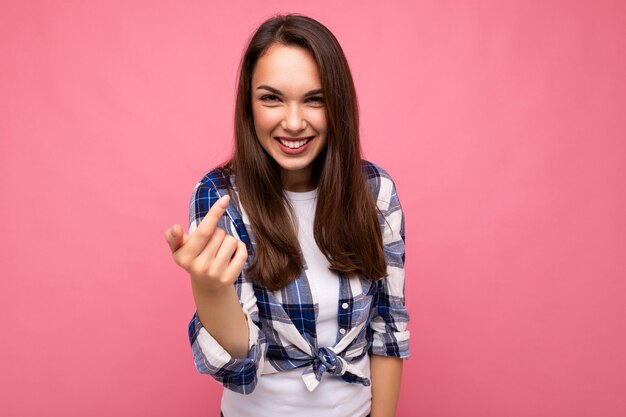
column 212, row 258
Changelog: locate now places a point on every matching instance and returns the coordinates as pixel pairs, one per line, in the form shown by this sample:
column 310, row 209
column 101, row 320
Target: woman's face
column 289, row 112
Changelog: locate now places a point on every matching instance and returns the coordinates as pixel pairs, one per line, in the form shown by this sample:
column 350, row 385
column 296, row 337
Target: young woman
column 296, row 245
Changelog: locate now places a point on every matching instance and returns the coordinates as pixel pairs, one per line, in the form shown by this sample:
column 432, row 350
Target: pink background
column 503, row 124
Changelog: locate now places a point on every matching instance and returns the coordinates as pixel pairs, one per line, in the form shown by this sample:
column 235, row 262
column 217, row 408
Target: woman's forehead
column 287, row 68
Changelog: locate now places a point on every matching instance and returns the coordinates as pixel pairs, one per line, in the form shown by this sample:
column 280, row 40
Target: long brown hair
column 346, row 226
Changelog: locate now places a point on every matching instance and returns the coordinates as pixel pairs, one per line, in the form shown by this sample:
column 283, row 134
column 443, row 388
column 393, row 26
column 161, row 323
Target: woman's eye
column 265, row 98
column 272, row 98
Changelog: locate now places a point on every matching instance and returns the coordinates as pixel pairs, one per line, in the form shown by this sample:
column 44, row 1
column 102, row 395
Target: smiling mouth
column 294, row 144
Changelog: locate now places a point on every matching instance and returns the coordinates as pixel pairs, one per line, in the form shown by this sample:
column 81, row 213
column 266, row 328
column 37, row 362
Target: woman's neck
column 299, row 181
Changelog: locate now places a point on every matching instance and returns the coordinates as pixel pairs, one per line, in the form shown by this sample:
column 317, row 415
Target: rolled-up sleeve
column 390, row 319
column 237, row 374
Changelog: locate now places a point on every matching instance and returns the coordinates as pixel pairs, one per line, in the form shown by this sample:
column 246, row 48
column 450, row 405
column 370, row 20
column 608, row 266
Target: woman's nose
column 294, row 119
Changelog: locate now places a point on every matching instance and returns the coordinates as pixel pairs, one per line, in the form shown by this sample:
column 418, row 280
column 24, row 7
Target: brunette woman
column 296, row 245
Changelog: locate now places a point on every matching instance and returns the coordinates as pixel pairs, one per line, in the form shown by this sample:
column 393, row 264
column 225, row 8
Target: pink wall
column 502, row 122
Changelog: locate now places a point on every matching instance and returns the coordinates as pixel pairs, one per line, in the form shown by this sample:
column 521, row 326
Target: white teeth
column 292, row 144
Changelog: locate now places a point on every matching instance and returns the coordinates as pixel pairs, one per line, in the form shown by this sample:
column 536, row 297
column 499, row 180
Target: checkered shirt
column 372, row 316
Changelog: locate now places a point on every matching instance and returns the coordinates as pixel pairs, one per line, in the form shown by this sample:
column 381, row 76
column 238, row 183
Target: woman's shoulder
column 213, row 185
column 377, row 178
column 219, row 178
column 374, row 171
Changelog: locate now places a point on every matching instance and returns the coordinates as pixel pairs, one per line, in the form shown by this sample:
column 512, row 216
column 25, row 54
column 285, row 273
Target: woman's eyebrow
column 278, row 92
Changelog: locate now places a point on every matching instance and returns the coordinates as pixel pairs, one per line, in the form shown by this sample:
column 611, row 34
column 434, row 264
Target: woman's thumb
column 172, row 236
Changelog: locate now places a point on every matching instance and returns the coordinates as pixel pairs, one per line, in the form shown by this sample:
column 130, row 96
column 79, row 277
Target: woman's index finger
column 207, row 226
column 215, row 213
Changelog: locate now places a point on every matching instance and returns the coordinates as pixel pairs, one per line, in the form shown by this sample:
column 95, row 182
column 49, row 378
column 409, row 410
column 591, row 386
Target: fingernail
column 223, row 202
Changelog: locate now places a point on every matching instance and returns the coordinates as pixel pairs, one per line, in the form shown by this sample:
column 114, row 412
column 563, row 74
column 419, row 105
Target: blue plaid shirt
column 372, row 316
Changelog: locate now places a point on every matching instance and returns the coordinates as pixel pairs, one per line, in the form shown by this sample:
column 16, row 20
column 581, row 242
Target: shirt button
column 344, row 305
column 342, row 331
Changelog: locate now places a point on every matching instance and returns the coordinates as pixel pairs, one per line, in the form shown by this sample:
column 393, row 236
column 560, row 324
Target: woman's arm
column 214, row 260
column 221, row 315
column 390, row 345
column 386, row 375
column 231, row 348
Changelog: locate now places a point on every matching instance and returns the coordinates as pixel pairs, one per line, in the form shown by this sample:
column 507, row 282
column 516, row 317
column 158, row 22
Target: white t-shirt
column 284, row 393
